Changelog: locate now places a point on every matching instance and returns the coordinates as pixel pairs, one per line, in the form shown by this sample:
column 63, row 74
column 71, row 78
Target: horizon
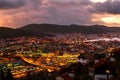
column 59, row 24
column 16, row 13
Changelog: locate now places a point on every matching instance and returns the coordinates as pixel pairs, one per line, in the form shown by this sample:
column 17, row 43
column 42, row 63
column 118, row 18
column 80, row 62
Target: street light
column 107, row 72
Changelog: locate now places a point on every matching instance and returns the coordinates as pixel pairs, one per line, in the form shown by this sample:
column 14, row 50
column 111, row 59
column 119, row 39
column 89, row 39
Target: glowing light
column 107, row 71
column 50, row 70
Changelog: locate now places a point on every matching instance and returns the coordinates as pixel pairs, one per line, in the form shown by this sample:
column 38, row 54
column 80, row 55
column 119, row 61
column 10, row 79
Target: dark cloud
column 65, row 12
column 110, row 6
column 71, row 2
column 54, row 11
column 11, row 4
column 34, row 4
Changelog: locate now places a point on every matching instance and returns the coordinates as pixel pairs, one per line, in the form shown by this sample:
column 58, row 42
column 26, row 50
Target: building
column 103, row 70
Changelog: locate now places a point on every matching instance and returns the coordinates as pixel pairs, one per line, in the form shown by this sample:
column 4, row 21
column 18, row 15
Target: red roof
column 101, row 62
column 66, row 77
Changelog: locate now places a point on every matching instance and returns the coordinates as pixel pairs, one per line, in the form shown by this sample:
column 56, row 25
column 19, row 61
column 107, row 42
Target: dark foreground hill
column 48, row 28
column 12, row 33
column 45, row 29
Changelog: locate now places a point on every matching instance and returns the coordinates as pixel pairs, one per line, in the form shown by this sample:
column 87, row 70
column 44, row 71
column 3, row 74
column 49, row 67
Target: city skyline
column 17, row 13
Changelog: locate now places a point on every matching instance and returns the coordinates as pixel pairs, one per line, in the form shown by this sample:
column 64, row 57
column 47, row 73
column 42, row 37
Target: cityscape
column 59, row 40
column 61, row 56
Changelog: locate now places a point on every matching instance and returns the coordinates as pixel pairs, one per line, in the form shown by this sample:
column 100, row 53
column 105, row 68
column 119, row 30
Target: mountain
column 53, row 28
column 45, row 29
column 11, row 33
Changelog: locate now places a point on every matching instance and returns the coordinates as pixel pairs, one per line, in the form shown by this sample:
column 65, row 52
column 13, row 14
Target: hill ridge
column 44, row 30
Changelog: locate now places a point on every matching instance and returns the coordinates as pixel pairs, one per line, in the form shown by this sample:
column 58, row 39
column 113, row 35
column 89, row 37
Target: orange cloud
column 106, row 19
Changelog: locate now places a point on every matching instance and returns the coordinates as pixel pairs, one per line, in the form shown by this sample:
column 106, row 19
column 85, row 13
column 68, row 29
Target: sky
column 17, row 13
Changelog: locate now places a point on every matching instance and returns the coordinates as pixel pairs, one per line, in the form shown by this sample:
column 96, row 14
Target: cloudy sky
column 17, row 13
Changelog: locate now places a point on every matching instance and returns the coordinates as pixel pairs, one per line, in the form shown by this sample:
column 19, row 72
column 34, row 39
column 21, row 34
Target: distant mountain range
column 44, row 29
column 12, row 33
column 47, row 28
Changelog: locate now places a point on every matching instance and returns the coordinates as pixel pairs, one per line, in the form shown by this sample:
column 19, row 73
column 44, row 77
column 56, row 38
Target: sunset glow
column 111, row 20
column 106, row 19
column 1, row 22
column 18, row 13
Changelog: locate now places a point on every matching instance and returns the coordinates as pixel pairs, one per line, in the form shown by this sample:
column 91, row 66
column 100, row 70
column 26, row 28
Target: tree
column 9, row 75
column 29, row 77
column 117, row 61
column 2, row 75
